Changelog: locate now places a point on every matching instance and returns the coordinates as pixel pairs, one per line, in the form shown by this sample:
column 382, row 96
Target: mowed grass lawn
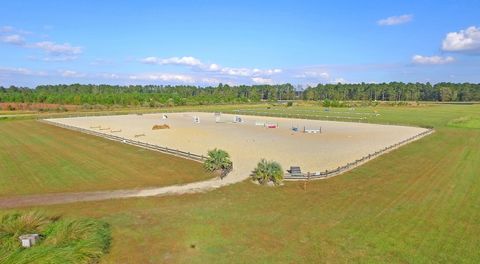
column 37, row 158
column 417, row 204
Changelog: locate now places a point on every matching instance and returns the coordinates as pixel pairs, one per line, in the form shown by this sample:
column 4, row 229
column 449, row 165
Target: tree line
column 167, row 95
column 395, row 91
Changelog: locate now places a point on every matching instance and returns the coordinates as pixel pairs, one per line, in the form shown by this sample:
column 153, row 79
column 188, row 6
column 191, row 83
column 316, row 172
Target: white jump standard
column 312, row 131
column 196, row 119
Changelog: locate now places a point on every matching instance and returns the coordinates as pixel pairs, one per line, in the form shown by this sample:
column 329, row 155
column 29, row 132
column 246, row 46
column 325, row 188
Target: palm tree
column 268, row 171
column 218, row 161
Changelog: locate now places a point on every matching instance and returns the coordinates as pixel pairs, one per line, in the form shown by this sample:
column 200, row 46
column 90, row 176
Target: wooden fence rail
column 351, row 165
column 175, row 152
column 201, row 158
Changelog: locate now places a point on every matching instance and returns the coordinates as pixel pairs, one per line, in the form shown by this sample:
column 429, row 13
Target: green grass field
column 417, row 204
column 38, row 158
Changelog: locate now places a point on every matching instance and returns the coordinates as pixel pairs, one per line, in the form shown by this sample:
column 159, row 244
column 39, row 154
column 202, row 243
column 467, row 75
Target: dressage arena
column 313, row 145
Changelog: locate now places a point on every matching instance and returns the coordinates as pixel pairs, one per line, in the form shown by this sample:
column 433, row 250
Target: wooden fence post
column 306, row 181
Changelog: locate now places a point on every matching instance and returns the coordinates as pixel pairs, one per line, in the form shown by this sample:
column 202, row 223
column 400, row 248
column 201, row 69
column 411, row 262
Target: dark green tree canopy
column 158, row 95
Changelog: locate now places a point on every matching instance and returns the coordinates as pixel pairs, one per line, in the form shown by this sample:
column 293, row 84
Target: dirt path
column 63, row 198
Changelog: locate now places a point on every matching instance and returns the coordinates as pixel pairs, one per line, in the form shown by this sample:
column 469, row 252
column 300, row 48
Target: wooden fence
column 201, row 158
column 351, row 165
column 175, row 152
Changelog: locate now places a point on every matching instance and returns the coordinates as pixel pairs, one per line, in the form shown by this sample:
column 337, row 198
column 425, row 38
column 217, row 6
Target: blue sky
column 238, row 42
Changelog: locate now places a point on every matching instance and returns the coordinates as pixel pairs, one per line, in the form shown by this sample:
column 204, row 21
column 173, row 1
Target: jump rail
column 330, row 173
column 166, row 150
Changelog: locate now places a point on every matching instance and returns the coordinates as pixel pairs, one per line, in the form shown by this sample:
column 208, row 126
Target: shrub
column 268, row 171
column 218, row 161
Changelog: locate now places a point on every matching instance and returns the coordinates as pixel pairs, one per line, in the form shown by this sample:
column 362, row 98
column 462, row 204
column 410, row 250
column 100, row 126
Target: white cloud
column 55, row 49
column 150, row 60
column 314, row 74
column 467, row 40
column 12, row 30
column 163, row 77
column 210, row 81
column 419, row 59
column 71, row 74
column 6, row 29
column 14, row 39
column 188, row 61
column 338, row 80
column 247, row 72
column 260, row 80
column 111, row 76
column 236, row 71
column 395, row 20
column 21, row 71
column 215, row 68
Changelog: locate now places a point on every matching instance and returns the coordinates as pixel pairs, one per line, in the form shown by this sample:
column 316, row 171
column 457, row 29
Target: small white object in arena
column 164, row 116
column 258, row 123
column 196, row 120
column 29, row 240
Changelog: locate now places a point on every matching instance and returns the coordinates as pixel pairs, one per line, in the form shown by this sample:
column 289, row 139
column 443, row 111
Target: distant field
column 37, row 158
column 417, row 204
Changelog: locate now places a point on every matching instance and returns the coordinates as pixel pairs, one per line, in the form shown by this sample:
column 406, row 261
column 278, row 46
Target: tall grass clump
column 62, row 240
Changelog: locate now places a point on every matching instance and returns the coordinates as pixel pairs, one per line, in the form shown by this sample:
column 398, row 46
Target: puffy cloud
column 71, row 74
column 338, row 80
column 188, row 61
column 467, row 40
column 14, row 39
column 210, row 81
column 55, row 49
column 314, row 74
column 266, row 72
column 236, row 71
column 419, row 59
column 260, row 80
column 6, row 29
column 163, row 77
column 110, row 76
column 215, row 68
column 395, row 20
column 21, row 71
column 247, row 72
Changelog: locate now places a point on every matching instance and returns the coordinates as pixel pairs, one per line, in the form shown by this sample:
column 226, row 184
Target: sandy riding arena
column 311, row 144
